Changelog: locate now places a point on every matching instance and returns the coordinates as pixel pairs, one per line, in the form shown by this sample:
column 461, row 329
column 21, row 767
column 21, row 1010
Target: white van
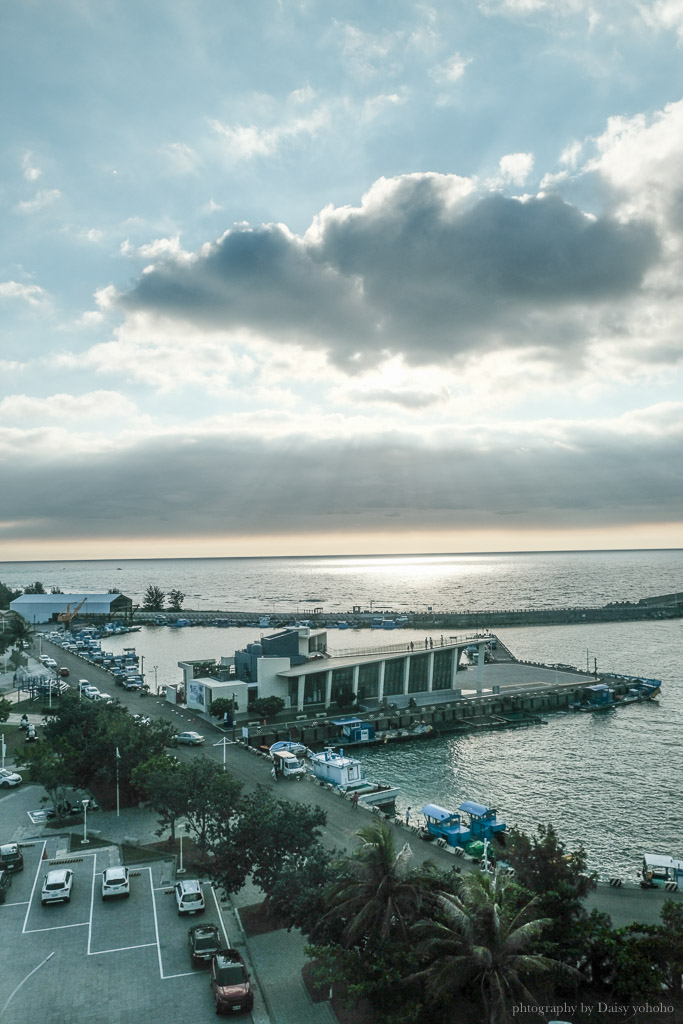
column 287, row 765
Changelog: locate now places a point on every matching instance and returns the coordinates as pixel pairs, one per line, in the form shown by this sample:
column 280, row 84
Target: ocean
column 611, row 782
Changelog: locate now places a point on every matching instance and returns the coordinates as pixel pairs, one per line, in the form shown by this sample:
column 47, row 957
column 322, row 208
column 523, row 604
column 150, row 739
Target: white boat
column 659, row 871
column 347, row 775
column 298, row 749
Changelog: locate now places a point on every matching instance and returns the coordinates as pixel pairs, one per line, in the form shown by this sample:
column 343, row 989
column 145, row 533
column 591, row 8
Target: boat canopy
column 436, row 812
column 479, row 810
column 658, row 860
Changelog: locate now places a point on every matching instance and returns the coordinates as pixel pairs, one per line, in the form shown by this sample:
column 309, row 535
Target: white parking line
column 156, row 924
column 220, row 918
column 121, row 949
column 55, row 928
column 92, row 898
column 22, row 904
column 35, row 882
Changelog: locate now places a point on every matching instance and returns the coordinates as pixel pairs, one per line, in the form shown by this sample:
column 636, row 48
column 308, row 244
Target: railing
column 405, row 647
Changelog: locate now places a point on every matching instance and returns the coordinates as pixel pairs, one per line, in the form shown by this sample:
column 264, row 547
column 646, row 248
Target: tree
column 483, row 939
column 175, row 600
column 47, row 768
column 35, row 588
column 87, row 736
column 56, row 590
column 5, row 709
column 162, row 784
column 267, row 707
column 7, row 595
column 559, row 878
column 265, row 836
column 214, row 793
column 346, row 698
column 223, row 706
column 377, row 895
column 154, row 599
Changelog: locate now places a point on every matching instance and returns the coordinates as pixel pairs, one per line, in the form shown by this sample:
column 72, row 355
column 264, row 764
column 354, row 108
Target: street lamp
column 85, row 821
column 223, row 743
column 156, row 684
column 181, row 869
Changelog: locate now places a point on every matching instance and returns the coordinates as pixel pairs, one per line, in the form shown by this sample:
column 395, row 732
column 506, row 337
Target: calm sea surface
column 612, row 782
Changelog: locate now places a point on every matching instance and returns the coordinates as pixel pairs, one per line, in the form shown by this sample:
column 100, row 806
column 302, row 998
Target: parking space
column 90, row 961
column 174, row 954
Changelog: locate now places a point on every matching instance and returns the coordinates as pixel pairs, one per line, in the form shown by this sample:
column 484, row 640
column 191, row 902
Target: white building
column 35, row 608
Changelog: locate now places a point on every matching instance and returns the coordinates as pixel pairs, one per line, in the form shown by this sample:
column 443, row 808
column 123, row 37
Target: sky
column 340, row 276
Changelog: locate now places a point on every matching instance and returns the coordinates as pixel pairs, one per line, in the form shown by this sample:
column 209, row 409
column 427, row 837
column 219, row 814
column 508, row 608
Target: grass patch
column 257, row 920
column 132, row 854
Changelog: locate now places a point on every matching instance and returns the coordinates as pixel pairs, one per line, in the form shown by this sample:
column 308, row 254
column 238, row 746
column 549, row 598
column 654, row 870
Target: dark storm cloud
column 200, row 486
column 412, row 271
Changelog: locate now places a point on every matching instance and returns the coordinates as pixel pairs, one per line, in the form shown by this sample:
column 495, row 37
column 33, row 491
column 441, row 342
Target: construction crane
column 67, row 616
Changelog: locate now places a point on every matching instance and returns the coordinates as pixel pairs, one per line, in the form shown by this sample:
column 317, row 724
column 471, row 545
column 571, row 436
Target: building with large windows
column 295, row 665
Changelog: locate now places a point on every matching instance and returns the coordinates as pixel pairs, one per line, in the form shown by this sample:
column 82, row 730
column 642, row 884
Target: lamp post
column 223, row 743
column 118, row 758
column 85, row 821
column 156, row 684
column 181, row 869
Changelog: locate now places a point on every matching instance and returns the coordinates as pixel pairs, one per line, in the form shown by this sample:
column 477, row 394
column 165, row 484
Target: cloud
column 33, row 294
column 428, row 266
column 180, row 158
column 42, row 199
column 246, row 142
column 60, row 407
column 451, row 70
column 31, row 172
column 547, row 474
column 516, row 167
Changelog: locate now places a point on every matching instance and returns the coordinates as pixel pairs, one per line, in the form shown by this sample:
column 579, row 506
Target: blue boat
column 449, row 825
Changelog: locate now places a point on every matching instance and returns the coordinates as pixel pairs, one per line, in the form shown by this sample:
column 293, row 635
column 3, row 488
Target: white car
column 57, row 886
column 107, row 697
column 8, row 778
column 91, row 692
column 191, row 738
column 115, row 882
column 189, row 897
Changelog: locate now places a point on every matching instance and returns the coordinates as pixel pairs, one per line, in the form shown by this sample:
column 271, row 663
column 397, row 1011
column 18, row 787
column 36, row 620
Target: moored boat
column 347, row 775
column 601, row 697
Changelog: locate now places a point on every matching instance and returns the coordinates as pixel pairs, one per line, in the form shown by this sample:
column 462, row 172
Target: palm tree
column 376, row 895
column 482, row 937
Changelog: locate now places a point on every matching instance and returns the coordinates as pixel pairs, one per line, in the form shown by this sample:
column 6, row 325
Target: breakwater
column 667, row 606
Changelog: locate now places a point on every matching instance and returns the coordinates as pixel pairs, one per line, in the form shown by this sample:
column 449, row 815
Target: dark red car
column 230, row 983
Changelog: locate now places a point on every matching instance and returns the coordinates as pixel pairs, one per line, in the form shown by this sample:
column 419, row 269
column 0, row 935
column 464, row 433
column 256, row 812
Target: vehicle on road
column 91, row 692
column 106, row 697
column 8, row 778
column 11, row 857
column 193, row 739
column 287, row 765
column 230, row 984
column 63, row 672
column 204, row 941
column 189, row 897
column 115, row 882
column 57, row 886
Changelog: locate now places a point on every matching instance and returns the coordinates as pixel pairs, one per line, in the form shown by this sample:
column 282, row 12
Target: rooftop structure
column 41, row 608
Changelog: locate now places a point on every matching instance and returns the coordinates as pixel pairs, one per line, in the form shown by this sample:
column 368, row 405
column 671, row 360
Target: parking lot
column 95, row 962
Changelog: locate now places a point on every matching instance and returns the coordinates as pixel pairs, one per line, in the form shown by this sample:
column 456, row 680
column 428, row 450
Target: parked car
column 230, row 984
column 115, row 882
column 91, row 692
column 191, row 738
column 57, row 886
column 204, row 941
column 5, row 882
column 106, row 697
column 8, row 778
column 11, row 857
column 189, row 897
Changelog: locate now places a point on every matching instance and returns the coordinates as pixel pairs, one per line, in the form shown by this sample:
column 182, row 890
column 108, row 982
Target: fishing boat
column 291, row 746
column 661, row 872
column 356, row 732
column 470, row 835
column 601, row 697
column 347, row 775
